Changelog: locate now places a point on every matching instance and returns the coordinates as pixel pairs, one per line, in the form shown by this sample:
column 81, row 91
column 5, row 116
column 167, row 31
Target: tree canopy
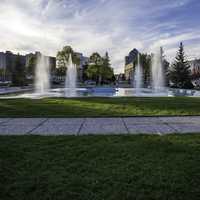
column 99, row 68
column 180, row 74
column 63, row 57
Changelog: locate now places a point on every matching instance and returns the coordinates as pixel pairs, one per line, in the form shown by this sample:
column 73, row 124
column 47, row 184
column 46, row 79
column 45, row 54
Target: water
column 108, row 92
column 42, row 73
column 71, row 78
column 158, row 79
column 138, row 76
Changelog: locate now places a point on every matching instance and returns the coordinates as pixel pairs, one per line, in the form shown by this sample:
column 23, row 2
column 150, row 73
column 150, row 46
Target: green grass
column 99, row 107
column 100, row 167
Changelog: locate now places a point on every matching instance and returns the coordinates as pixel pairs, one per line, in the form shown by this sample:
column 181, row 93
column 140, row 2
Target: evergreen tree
column 180, row 74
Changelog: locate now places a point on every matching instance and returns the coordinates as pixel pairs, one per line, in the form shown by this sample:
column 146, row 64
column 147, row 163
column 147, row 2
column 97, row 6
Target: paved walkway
column 84, row 126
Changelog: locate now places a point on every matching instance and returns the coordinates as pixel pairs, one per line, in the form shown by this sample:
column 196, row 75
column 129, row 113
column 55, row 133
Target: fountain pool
column 108, row 92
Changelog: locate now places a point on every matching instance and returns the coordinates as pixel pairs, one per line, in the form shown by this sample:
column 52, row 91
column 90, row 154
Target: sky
column 116, row 26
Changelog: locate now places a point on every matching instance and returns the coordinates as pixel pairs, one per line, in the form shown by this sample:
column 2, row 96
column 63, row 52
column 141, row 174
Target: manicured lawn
column 100, row 167
column 99, row 107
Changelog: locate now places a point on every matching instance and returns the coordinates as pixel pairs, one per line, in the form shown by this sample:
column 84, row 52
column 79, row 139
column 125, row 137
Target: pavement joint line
column 81, row 126
column 175, row 123
column 167, row 124
column 37, row 126
column 125, row 125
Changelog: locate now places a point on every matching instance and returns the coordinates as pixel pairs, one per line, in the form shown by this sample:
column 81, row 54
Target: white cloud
column 88, row 26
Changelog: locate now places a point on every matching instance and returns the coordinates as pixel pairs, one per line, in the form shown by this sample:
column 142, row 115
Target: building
column 195, row 70
column 120, row 77
column 2, row 60
column 130, row 61
column 195, row 67
column 83, row 62
column 7, row 63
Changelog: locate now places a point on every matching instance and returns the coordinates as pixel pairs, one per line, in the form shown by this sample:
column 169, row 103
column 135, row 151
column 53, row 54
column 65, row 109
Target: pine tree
column 180, row 74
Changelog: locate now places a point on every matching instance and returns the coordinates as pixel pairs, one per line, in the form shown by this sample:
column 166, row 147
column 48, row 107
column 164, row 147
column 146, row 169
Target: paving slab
column 65, row 120
column 103, row 129
column 15, row 129
column 56, row 130
column 103, row 121
column 59, row 126
column 186, row 119
column 186, row 128
column 103, row 126
column 142, row 120
column 25, row 121
column 150, row 129
column 3, row 120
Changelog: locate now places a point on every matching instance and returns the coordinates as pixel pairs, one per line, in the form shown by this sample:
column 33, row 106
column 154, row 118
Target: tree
column 180, row 74
column 31, row 65
column 63, row 57
column 18, row 74
column 94, row 70
column 145, row 61
column 99, row 69
column 62, row 60
column 107, row 70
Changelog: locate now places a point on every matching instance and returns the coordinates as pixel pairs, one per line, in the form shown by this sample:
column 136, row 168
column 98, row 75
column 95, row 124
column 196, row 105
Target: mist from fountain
column 71, row 78
column 158, row 79
column 42, row 75
column 138, row 75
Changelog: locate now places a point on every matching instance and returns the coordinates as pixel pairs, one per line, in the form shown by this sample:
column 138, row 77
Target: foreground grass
column 100, row 167
column 98, row 107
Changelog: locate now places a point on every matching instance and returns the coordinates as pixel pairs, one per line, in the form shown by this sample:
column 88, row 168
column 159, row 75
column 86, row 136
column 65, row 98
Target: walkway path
column 84, row 126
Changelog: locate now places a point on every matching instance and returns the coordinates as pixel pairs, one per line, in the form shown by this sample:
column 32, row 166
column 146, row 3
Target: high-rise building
column 130, row 61
column 83, row 62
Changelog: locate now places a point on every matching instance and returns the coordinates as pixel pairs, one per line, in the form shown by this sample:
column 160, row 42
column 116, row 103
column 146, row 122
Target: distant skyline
column 116, row 26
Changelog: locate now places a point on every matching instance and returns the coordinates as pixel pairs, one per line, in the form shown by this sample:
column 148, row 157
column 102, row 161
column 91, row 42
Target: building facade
column 83, row 62
column 130, row 61
column 195, row 70
column 7, row 64
column 195, row 67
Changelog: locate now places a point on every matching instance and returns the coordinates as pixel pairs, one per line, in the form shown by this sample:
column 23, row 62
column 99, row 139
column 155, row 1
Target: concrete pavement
column 99, row 126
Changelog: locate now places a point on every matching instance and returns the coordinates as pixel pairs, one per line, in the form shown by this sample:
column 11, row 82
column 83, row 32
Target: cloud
column 103, row 25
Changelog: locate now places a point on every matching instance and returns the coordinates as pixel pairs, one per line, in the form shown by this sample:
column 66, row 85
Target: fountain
column 158, row 80
column 42, row 81
column 138, row 76
column 71, row 78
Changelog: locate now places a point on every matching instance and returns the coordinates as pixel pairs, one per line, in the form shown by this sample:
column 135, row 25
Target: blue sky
column 116, row 26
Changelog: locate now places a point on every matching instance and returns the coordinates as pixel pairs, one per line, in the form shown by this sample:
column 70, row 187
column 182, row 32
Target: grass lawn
column 99, row 107
column 100, row 167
